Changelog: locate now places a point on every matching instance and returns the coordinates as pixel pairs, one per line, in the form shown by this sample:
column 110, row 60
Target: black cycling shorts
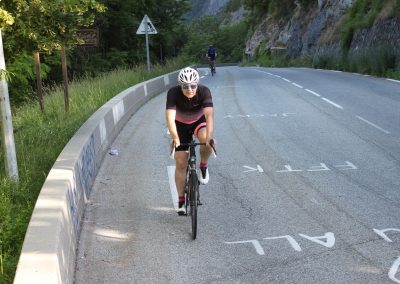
column 186, row 131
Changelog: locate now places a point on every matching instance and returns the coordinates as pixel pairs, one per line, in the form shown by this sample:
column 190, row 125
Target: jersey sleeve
column 171, row 99
column 207, row 101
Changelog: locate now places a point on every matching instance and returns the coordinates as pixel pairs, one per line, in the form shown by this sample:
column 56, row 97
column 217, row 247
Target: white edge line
column 284, row 79
column 298, row 86
column 263, row 72
column 393, row 270
column 332, row 103
column 397, row 81
column 172, row 186
column 372, row 124
column 314, row 93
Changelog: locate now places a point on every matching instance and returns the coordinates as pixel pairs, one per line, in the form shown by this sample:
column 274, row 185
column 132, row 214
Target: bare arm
column 209, row 114
column 170, row 117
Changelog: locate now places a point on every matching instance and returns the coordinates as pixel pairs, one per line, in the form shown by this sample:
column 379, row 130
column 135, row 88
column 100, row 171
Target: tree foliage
column 46, row 25
column 229, row 40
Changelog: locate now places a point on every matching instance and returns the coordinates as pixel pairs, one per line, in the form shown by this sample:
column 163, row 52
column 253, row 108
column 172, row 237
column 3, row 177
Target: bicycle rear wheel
column 194, row 197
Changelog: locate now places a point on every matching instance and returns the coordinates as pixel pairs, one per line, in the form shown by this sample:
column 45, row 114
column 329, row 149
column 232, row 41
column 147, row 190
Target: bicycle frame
column 192, row 195
column 192, row 186
column 212, row 66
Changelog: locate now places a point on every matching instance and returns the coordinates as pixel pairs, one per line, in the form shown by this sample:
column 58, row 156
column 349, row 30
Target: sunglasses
column 191, row 86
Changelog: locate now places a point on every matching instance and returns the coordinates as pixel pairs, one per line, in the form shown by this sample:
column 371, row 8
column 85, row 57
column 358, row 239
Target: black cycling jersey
column 188, row 110
column 211, row 53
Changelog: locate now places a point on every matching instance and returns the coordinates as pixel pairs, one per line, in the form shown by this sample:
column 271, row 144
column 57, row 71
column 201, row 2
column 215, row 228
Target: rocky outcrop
column 383, row 33
column 202, row 8
column 304, row 33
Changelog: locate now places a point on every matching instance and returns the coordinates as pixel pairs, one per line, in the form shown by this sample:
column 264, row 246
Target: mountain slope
column 202, row 8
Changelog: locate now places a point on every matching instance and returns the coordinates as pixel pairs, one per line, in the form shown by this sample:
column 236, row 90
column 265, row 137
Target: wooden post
column 39, row 90
column 7, row 132
column 65, row 78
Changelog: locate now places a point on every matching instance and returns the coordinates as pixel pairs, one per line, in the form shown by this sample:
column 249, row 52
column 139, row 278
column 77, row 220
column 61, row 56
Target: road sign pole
column 147, row 43
column 7, row 136
column 146, row 28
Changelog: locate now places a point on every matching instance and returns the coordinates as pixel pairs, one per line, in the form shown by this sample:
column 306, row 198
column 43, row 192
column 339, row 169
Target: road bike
column 192, row 194
column 212, row 67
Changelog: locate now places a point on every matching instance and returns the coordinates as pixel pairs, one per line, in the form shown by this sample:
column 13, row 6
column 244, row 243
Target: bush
column 39, row 139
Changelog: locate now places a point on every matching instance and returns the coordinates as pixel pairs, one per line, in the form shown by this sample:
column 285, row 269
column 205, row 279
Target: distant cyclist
column 211, row 55
column 189, row 111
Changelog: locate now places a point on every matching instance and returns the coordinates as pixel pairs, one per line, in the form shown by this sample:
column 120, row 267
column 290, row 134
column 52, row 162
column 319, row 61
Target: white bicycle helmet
column 188, row 75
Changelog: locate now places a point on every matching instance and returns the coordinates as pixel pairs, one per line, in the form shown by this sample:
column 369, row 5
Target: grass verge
column 39, row 139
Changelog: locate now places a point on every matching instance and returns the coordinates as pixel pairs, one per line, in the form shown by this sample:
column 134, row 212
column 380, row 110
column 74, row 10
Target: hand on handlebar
column 213, row 145
column 173, row 144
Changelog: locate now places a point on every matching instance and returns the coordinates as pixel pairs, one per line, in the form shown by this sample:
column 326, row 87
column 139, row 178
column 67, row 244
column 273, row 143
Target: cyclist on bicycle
column 189, row 111
column 211, row 54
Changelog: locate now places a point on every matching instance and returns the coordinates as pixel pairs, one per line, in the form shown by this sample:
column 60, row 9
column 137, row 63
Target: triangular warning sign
column 146, row 23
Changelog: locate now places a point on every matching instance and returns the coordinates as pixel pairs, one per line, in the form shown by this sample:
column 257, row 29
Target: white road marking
column 332, row 103
column 288, row 169
column 264, row 72
column 255, row 243
column 397, row 81
column 372, row 124
column 286, row 114
column 393, row 270
column 322, row 167
column 290, row 239
column 250, row 169
column 382, row 234
column 284, row 79
column 298, row 86
column 348, row 166
column 314, row 93
column 172, row 186
column 329, row 243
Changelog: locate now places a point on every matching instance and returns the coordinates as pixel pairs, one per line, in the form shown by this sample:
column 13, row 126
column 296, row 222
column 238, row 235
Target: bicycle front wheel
column 194, row 197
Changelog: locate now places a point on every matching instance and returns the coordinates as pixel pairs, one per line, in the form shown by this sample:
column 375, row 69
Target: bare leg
column 180, row 171
column 205, row 151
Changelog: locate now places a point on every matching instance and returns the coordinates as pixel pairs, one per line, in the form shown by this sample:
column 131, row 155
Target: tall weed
column 39, row 139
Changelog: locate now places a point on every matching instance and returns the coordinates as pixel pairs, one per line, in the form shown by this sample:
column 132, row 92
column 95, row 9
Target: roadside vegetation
column 97, row 73
column 40, row 137
column 382, row 60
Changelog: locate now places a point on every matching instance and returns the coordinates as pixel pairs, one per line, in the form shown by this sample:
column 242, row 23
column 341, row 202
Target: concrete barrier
column 49, row 249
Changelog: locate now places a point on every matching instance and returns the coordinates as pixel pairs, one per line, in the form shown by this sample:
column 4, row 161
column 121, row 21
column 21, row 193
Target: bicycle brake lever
column 212, row 144
column 172, row 153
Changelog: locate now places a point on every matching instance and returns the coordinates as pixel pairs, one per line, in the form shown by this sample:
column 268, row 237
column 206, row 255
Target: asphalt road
column 305, row 188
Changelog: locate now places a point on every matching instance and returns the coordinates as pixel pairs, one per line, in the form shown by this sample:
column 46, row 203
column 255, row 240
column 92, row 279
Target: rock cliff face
column 310, row 32
column 202, row 8
column 314, row 32
column 304, row 32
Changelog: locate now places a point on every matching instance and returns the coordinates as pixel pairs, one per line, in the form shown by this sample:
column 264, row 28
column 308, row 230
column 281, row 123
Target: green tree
column 118, row 27
column 42, row 26
column 201, row 33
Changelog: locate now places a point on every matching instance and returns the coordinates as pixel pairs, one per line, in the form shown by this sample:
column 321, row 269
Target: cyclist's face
column 189, row 90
